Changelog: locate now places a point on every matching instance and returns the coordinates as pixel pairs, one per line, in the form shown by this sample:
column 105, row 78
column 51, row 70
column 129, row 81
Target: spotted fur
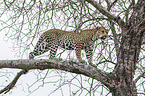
column 51, row 39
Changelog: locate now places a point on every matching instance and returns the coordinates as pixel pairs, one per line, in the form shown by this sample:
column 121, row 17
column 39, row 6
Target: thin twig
column 12, row 84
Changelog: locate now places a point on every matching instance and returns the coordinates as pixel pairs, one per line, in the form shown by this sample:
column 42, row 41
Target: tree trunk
column 132, row 37
column 123, row 90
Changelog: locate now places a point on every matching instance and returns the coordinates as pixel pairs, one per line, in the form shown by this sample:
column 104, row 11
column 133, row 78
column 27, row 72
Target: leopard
column 54, row 38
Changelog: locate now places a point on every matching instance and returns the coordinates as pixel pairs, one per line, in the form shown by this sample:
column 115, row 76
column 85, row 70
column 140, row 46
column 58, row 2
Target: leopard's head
column 101, row 33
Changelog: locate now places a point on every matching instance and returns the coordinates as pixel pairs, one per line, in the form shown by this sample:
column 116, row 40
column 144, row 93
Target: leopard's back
column 68, row 40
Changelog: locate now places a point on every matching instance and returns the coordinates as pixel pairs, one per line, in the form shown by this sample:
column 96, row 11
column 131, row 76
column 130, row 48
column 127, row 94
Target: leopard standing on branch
column 51, row 39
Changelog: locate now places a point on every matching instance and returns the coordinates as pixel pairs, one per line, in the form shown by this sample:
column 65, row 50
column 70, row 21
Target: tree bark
column 69, row 66
column 131, row 41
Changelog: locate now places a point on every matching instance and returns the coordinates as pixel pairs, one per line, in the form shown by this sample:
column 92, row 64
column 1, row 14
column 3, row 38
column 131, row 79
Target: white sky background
column 6, row 49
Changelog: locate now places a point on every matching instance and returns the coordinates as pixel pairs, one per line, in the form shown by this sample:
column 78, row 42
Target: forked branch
column 110, row 16
column 12, row 84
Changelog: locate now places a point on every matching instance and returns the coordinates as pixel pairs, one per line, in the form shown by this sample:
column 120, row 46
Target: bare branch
column 141, row 75
column 111, row 5
column 42, row 64
column 106, row 13
column 70, row 66
column 115, row 37
column 12, row 84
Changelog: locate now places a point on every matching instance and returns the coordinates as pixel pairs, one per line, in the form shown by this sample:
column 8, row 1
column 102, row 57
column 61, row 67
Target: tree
column 123, row 50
